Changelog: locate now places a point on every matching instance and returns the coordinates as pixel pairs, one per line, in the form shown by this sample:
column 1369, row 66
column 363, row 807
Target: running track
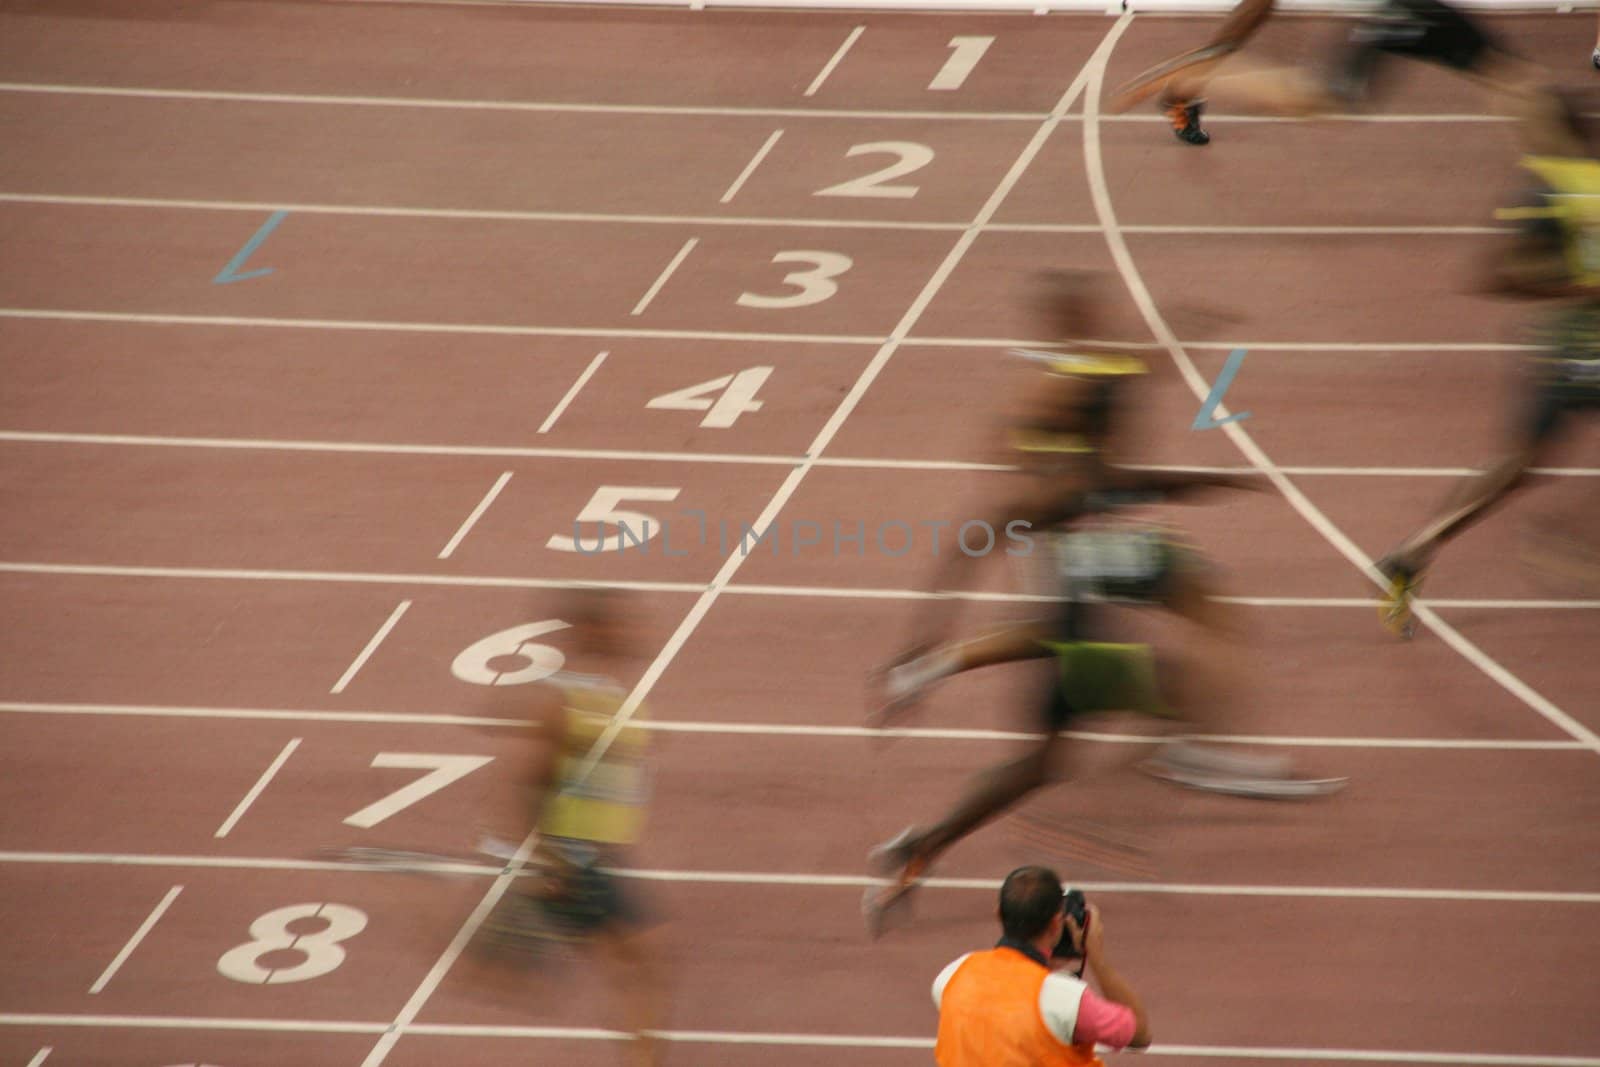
column 252, row 528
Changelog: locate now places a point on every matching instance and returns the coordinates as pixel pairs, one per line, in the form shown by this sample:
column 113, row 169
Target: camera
column 1075, row 907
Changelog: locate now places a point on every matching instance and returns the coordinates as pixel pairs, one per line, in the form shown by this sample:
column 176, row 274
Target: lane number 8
column 320, row 948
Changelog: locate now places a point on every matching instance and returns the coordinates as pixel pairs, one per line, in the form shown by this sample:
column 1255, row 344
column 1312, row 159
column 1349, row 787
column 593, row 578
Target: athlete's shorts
column 1566, row 378
column 1096, row 676
column 580, row 896
column 1421, row 29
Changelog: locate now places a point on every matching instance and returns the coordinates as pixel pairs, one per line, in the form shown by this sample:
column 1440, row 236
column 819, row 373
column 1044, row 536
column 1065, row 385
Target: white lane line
column 40, row 1056
column 379, row 448
column 577, row 387
column 267, row 714
column 316, row 715
column 1101, row 197
column 397, row 211
column 826, row 592
column 174, row 1022
column 512, row 105
column 477, row 513
column 854, row 881
column 413, row 212
column 677, row 260
column 468, row 329
column 760, row 1038
column 144, row 93
column 822, row 75
column 750, row 168
column 256, row 790
column 752, row 458
column 246, row 575
column 814, row 880
column 730, row 567
column 504, row 330
column 371, row 647
column 242, row 863
column 1259, row 231
column 138, row 936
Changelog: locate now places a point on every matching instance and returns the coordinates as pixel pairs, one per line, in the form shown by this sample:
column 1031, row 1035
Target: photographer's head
column 1030, row 907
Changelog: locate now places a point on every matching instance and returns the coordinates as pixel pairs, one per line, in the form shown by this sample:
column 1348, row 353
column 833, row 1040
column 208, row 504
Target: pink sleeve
column 1103, row 1021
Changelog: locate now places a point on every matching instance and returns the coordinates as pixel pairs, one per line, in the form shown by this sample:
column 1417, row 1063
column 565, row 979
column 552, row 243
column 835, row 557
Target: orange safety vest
column 989, row 1017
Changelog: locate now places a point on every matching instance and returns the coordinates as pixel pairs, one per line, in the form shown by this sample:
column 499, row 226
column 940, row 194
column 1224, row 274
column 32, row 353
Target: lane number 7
column 442, row 771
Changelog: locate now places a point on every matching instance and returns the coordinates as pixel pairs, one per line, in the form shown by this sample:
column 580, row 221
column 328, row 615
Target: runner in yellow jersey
column 1554, row 255
column 587, row 787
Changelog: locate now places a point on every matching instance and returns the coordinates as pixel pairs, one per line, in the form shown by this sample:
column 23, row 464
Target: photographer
column 1005, row 1008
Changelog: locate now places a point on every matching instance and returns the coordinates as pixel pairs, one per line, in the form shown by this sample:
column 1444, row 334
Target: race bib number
column 1094, row 556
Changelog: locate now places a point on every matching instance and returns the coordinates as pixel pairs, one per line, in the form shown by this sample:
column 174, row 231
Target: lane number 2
column 913, row 157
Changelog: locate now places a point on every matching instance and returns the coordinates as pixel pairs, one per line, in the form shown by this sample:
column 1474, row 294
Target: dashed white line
column 661, row 280
column 138, row 936
column 477, row 513
column 750, row 168
column 822, row 75
column 256, row 790
column 371, row 647
column 40, row 1056
column 577, row 387
column 730, row 567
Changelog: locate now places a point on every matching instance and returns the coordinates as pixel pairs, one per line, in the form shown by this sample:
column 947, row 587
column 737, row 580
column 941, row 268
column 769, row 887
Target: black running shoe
column 1185, row 118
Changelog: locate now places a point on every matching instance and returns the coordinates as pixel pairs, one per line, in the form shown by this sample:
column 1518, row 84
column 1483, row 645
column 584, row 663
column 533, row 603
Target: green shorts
column 1096, row 676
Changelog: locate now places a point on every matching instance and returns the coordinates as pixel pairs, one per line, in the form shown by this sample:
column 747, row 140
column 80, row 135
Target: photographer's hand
column 1112, row 987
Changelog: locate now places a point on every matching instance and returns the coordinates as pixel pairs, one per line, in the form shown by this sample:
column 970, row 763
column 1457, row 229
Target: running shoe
column 885, row 906
column 1241, row 775
column 1185, row 118
column 1395, row 610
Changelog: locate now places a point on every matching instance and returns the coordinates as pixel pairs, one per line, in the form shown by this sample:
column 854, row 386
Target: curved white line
column 1336, row 537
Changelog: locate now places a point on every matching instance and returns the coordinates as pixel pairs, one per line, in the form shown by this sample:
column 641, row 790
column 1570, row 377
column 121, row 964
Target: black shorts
column 589, row 900
column 1566, row 378
column 1559, row 389
column 1420, row 29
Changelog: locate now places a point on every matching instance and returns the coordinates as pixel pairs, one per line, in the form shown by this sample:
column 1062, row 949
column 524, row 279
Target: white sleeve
column 944, row 979
column 1059, row 998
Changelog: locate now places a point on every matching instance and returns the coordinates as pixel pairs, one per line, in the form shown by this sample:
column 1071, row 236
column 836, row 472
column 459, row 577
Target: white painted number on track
column 738, row 396
column 442, row 770
column 913, row 157
column 272, row 934
column 815, row 285
column 964, row 55
column 602, row 508
column 475, row 664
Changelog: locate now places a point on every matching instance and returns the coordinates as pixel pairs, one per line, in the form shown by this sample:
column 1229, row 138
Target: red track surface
column 216, row 494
